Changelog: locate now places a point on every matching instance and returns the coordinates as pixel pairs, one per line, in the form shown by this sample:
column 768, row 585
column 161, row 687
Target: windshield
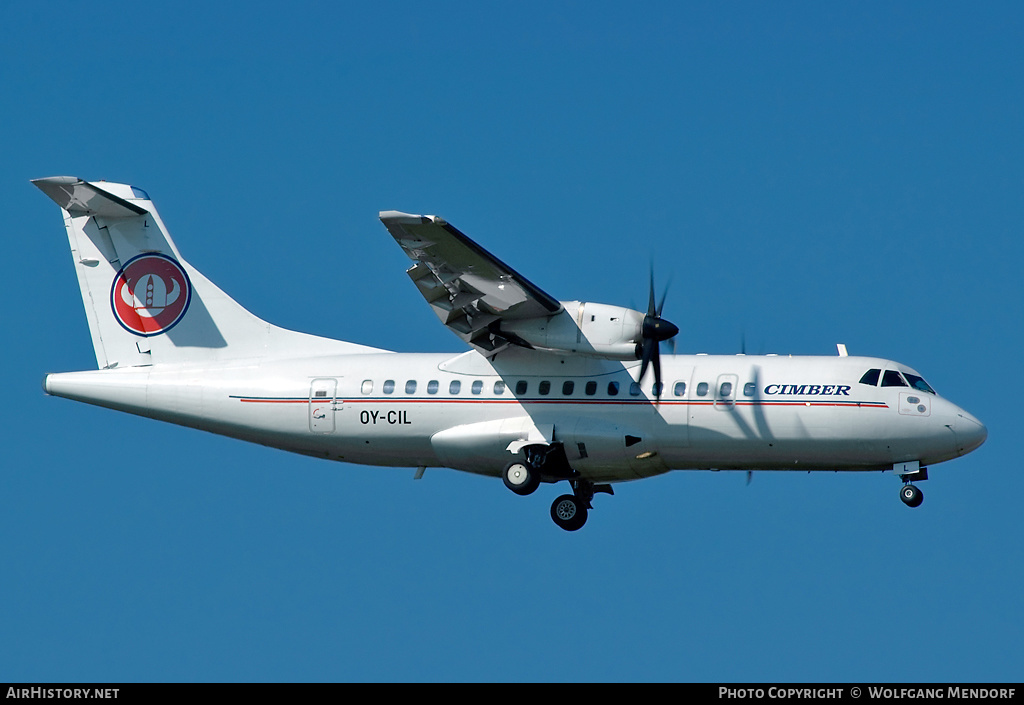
column 918, row 383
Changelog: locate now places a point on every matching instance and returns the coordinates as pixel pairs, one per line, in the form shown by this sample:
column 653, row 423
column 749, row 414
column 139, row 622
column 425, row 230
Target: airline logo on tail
column 150, row 294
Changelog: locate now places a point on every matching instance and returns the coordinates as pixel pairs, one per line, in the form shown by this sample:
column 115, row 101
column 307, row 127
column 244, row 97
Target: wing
column 470, row 290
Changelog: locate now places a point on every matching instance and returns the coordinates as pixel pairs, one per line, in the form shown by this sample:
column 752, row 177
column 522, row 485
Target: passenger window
column 871, row 377
column 521, row 388
column 367, row 386
column 749, row 389
column 679, row 389
column 634, row 389
column 477, row 387
column 892, row 378
column 389, row 386
column 499, row 387
column 567, row 387
column 657, row 388
column 725, row 390
column 544, row 388
column 591, row 388
column 702, row 389
column 454, row 387
column 613, row 389
column 410, row 387
column 432, row 386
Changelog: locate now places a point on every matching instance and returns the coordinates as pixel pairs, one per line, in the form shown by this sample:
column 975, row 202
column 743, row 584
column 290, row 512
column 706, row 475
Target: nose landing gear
column 911, row 472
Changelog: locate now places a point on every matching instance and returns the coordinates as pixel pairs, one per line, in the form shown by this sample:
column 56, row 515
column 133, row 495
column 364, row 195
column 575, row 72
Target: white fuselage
column 468, row 412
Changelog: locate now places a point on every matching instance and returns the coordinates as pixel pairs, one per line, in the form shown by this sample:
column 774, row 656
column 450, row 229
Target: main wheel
column 911, row 496
column 520, row 479
column 568, row 512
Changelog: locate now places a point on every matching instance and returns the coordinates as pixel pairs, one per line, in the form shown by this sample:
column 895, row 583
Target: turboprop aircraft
column 549, row 391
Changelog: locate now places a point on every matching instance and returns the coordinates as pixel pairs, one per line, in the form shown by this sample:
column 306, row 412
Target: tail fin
column 147, row 305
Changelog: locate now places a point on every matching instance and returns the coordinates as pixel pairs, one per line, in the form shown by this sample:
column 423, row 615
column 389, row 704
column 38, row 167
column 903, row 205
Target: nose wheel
column 911, row 496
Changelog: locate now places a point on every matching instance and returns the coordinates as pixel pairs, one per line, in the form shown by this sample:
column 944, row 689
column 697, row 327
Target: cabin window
column 567, row 387
column 521, row 386
column 634, row 389
column 749, row 389
column 918, row 383
column 591, row 388
column 432, row 386
column 478, row 386
column 613, row 389
column 892, row 378
column 410, row 387
column 657, row 388
column 702, row 389
column 544, row 388
column 871, row 377
column 725, row 390
column 389, row 386
column 499, row 387
column 454, row 387
column 679, row 389
column 367, row 387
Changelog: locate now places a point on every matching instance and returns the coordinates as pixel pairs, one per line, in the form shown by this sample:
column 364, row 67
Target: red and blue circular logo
column 150, row 294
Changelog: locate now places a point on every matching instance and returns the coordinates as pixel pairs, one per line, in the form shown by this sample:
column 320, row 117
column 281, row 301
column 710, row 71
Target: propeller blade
column 654, row 331
column 656, row 358
column 661, row 304
column 646, row 356
column 651, row 310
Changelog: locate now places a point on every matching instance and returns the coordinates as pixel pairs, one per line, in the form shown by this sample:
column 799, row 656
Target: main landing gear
column 548, row 462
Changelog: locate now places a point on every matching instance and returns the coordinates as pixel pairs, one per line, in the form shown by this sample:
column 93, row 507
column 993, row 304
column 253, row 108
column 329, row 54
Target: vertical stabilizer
column 145, row 304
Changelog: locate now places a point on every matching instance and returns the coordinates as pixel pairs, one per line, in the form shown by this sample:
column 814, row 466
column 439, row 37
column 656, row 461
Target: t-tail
column 145, row 304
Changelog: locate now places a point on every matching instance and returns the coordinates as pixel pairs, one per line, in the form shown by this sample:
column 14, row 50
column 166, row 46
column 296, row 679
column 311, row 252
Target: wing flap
column 469, row 289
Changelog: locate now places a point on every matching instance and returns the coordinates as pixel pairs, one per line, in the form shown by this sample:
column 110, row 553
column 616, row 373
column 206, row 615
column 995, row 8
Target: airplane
column 548, row 391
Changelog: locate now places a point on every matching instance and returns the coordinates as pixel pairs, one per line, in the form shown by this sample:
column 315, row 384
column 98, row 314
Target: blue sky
column 804, row 174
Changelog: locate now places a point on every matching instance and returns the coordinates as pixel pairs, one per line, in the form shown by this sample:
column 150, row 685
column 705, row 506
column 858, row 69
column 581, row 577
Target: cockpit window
column 892, row 378
column 871, row 377
column 918, row 383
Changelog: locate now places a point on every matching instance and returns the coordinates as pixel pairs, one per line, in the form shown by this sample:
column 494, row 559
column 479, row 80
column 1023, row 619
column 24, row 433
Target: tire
column 568, row 512
column 519, row 478
column 911, row 496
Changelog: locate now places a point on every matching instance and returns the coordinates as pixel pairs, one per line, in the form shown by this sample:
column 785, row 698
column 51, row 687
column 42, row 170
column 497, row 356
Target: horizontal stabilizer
column 79, row 197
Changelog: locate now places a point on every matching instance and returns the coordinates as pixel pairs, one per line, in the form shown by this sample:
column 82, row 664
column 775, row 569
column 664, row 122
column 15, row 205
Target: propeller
column 654, row 331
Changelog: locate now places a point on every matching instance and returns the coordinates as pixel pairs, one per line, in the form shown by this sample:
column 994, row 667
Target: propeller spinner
column 654, row 331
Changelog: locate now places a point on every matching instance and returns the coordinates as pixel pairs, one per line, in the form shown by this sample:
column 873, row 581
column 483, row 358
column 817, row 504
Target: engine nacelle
column 584, row 328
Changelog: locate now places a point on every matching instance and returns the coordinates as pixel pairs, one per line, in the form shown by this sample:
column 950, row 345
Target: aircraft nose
column 970, row 433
